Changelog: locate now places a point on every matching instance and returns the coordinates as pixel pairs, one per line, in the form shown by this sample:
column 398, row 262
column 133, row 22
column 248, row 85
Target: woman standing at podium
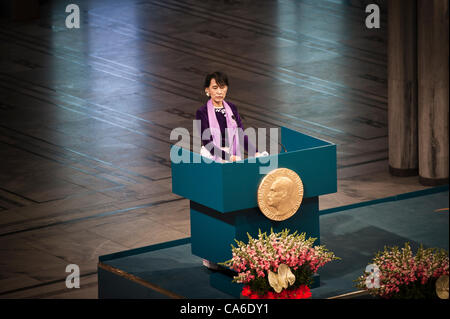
column 218, row 115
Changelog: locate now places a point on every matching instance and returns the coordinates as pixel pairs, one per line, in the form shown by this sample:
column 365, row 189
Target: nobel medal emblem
column 442, row 287
column 280, row 194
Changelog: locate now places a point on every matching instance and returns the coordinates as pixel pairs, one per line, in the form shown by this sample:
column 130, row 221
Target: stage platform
column 354, row 233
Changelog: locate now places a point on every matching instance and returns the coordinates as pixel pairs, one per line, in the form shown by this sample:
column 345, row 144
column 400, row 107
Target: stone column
column 433, row 81
column 402, row 87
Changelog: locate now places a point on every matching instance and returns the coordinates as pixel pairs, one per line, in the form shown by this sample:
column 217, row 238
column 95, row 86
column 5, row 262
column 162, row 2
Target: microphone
column 279, row 143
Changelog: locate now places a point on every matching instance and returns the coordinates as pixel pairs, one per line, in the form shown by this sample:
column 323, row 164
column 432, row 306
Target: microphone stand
column 279, row 143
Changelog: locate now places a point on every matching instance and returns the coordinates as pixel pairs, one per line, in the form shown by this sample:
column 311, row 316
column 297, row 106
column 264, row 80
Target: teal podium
column 223, row 207
column 223, row 196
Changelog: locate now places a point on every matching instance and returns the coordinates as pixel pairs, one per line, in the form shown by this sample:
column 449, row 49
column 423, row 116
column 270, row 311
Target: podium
column 223, row 207
column 223, row 196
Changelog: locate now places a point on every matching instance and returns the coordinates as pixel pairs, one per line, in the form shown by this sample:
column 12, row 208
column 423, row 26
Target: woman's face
column 216, row 92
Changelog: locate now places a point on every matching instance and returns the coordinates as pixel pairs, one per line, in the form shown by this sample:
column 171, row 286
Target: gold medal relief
column 280, row 194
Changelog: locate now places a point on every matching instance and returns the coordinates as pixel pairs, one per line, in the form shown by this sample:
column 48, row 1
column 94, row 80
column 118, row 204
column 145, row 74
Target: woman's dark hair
column 220, row 77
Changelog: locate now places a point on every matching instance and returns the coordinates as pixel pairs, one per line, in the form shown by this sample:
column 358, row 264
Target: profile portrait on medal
column 221, row 128
column 280, row 194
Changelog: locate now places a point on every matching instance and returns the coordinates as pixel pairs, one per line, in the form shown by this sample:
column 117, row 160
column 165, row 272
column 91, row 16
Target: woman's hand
column 234, row 158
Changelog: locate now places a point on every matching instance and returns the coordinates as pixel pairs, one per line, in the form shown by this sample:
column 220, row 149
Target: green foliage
column 416, row 290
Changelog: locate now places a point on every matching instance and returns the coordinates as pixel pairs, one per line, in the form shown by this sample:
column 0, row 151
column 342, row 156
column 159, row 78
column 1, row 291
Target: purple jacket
column 202, row 115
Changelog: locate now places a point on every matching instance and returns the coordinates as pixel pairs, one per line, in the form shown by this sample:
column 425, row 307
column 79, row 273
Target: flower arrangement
column 277, row 266
column 401, row 275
